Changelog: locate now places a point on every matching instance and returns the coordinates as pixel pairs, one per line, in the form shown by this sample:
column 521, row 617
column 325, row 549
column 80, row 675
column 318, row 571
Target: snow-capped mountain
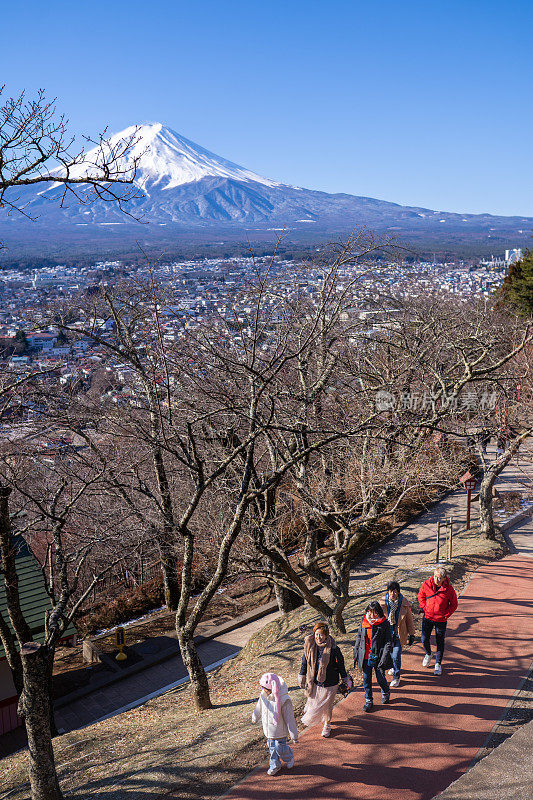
column 177, row 181
column 167, row 160
column 181, row 183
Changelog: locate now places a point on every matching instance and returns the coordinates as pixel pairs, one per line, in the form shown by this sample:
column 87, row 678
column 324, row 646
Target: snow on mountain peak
column 167, row 159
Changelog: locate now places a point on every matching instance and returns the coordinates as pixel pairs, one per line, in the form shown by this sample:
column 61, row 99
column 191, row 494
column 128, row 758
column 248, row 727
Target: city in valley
column 200, row 290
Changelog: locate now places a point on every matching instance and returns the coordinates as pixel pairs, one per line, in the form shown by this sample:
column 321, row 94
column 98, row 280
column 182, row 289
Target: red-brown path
column 425, row 739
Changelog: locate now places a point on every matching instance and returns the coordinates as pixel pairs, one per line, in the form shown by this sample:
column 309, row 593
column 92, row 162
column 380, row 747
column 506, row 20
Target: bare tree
column 206, row 413
column 36, row 149
column 496, row 403
column 418, row 369
column 490, row 474
column 55, row 506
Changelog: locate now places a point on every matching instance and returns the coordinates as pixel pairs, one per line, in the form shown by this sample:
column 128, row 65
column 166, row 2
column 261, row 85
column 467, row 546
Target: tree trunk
column 287, row 600
column 486, row 518
column 336, row 622
column 191, row 659
column 34, row 707
column 53, row 727
column 171, row 579
column 487, row 484
column 12, row 655
column 166, row 543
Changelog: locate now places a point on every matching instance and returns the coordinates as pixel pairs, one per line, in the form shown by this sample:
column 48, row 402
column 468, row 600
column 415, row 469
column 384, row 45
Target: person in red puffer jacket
column 438, row 601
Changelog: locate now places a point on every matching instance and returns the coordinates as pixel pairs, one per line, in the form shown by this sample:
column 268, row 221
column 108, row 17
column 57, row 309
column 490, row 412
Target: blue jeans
column 396, row 655
column 440, row 633
column 279, row 751
column 367, row 681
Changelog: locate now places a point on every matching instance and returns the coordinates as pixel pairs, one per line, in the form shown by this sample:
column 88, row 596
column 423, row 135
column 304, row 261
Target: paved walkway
column 505, row 774
column 426, row 738
column 418, row 539
column 111, row 699
column 157, row 679
column 521, row 538
column 410, row 545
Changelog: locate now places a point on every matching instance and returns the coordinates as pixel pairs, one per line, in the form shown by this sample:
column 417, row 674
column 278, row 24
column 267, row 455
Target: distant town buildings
column 197, row 291
column 499, row 262
column 512, row 256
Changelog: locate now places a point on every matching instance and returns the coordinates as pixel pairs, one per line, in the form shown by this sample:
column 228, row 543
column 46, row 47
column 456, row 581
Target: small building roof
column 33, row 597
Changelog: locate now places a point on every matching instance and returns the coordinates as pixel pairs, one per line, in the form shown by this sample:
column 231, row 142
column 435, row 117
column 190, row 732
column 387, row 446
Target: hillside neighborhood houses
column 200, row 289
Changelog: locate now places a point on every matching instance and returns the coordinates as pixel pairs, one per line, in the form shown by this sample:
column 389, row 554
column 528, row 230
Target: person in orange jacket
column 438, row 601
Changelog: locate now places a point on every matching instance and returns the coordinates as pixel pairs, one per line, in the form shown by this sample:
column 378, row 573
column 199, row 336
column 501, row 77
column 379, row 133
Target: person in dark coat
column 322, row 667
column 438, row 601
column 372, row 651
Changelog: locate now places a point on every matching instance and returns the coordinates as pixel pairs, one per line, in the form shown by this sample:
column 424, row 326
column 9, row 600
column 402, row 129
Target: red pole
column 468, row 497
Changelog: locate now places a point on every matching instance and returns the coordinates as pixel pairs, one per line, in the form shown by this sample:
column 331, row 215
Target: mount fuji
column 182, row 186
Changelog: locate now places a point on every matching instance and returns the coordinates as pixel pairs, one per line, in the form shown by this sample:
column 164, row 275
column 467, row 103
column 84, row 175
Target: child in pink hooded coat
column 274, row 707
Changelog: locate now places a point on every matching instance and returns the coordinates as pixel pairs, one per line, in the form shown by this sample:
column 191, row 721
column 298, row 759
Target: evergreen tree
column 21, row 342
column 62, row 340
column 517, row 288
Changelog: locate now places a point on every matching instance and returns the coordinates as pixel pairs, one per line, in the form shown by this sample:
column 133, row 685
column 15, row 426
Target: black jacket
column 381, row 645
column 334, row 669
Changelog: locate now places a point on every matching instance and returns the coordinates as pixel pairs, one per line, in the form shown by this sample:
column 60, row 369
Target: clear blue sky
column 421, row 103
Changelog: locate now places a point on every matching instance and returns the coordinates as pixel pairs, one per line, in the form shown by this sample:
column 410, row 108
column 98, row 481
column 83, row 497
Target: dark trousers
column 440, row 633
column 367, row 680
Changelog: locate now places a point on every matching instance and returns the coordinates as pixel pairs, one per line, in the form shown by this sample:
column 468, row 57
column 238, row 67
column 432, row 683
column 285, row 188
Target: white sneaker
column 394, row 683
column 290, row 764
column 326, row 730
column 427, row 661
column 390, row 671
column 273, row 770
column 438, row 669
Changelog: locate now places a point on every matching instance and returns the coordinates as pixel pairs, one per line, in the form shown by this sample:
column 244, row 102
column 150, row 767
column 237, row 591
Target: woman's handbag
column 345, row 688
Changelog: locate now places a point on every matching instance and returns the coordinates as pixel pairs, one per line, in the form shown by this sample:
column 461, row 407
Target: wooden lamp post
column 469, row 483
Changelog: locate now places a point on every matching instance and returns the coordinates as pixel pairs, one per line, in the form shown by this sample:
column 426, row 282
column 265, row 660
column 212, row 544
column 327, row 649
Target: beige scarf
column 311, row 650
